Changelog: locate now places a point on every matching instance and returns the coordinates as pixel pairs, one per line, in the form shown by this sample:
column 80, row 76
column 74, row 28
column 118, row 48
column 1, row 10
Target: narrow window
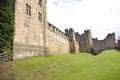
column 28, row 9
column 40, row 2
column 40, row 17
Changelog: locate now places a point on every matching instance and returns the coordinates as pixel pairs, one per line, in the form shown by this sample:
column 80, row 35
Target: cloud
column 57, row 2
column 101, row 16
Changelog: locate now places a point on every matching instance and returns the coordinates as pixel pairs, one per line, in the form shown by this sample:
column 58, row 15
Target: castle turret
column 90, row 43
column 110, row 41
column 85, row 41
column 74, row 46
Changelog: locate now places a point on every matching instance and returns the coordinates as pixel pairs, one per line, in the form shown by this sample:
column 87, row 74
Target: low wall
column 57, row 41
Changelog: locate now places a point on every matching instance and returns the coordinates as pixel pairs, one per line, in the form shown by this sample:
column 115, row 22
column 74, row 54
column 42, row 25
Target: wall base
column 26, row 51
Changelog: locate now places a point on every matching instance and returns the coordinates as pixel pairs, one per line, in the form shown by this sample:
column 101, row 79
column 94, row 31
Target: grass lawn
column 105, row 66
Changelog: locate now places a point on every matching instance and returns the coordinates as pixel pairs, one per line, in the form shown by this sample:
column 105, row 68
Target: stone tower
column 74, row 46
column 30, row 28
column 85, row 41
column 89, row 42
column 110, row 41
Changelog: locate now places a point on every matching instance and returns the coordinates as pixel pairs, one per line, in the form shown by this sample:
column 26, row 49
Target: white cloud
column 101, row 16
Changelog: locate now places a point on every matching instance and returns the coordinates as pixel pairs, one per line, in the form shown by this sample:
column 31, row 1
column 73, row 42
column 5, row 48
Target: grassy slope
column 105, row 66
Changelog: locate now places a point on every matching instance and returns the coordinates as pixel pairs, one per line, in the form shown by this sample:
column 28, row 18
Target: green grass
column 105, row 66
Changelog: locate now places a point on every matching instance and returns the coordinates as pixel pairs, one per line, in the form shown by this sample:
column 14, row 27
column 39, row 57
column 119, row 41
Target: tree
column 6, row 25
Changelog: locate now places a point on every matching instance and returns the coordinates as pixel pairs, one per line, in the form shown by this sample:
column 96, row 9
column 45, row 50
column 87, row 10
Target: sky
column 101, row 16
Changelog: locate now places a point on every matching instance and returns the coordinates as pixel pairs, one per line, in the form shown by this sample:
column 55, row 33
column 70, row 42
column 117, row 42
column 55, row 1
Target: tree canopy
column 6, row 25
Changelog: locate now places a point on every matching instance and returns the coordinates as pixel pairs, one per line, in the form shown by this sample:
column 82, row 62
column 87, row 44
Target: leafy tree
column 6, row 25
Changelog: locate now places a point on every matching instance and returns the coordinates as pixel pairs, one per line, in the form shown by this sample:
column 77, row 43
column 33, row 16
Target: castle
column 118, row 45
column 35, row 36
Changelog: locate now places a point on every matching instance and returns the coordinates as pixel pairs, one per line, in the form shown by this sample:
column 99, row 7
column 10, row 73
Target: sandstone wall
column 77, row 47
column 74, row 45
column 85, row 41
column 57, row 41
column 29, row 30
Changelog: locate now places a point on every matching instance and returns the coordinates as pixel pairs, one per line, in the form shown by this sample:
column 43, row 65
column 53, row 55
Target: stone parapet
column 56, row 30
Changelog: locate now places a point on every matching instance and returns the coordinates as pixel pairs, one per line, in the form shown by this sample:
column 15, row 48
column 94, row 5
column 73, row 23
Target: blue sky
column 101, row 16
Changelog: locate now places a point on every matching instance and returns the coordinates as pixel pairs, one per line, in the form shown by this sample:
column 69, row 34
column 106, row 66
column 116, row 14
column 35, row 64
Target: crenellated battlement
column 74, row 45
column 70, row 30
column 70, row 33
column 87, row 31
column 54, row 29
column 84, row 40
column 107, row 43
column 110, row 36
column 84, row 36
column 95, row 39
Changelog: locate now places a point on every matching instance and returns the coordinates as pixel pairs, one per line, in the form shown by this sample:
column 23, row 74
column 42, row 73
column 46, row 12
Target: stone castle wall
column 57, row 41
column 74, row 45
column 99, row 45
column 107, row 43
